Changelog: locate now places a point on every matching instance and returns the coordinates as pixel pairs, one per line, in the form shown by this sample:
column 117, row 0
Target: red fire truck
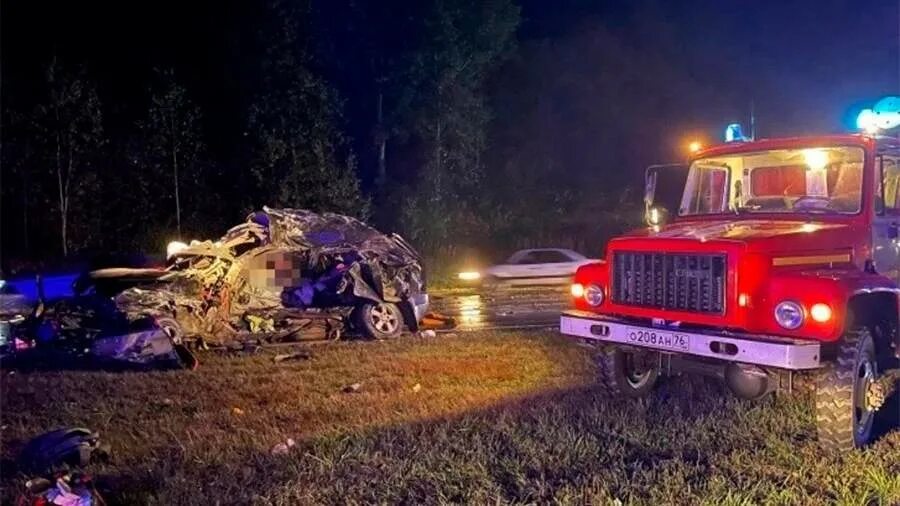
column 779, row 268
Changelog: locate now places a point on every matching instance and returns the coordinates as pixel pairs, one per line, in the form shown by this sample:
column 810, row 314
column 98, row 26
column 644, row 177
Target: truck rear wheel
column 626, row 373
column 844, row 417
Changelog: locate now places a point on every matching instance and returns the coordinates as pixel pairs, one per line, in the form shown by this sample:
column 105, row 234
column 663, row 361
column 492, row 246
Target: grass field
column 505, row 417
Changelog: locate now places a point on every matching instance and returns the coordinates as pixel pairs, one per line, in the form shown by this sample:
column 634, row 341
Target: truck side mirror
column 649, row 187
column 656, row 216
column 663, row 187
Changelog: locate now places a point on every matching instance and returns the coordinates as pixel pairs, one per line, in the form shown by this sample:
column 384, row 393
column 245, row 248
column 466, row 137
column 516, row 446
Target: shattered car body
column 283, row 273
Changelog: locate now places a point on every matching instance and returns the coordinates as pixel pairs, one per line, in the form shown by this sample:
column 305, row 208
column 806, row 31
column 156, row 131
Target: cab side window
column 551, row 257
column 526, row 258
column 890, row 187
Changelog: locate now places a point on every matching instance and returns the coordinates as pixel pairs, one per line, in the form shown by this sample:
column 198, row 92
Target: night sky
column 804, row 64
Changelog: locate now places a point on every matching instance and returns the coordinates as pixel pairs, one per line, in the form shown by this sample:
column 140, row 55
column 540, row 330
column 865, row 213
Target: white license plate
column 658, row 339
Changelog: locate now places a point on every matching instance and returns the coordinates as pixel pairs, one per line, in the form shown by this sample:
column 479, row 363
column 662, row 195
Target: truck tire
column 843, row 419
column 624, row 373
column 378, row 320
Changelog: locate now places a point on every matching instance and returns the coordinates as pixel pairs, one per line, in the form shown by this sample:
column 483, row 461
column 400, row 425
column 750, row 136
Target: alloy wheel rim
column 384, row 319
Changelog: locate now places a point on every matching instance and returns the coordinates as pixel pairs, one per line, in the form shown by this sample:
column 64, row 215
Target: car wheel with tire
column 844, row 417
column 626, row 373
column 378, row 320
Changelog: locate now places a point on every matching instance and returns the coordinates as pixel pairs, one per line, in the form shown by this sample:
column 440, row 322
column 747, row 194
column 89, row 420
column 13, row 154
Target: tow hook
column 879, row 390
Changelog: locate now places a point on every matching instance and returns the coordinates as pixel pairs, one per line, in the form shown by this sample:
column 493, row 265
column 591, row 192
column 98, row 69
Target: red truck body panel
column 805, row 258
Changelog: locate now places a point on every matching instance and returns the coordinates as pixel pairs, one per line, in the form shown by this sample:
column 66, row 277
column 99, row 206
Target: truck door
column 886, row 225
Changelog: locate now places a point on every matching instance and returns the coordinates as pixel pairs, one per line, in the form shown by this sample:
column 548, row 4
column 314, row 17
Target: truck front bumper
column 772, row 351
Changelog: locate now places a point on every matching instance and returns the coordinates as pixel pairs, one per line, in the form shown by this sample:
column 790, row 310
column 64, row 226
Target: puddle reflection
column 470, row 310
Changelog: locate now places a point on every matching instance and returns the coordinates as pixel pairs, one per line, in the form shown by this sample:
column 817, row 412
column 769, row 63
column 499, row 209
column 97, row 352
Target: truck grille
column 675, row 281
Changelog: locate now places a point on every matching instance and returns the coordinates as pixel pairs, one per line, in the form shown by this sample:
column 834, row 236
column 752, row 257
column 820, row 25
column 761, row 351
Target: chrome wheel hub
column 384, row 318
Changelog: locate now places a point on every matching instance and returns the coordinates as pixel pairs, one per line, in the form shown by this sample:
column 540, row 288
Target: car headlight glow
column 469, row 275
column 789, row 314
column 577, row 290
column 593, row 295
column 175, row 247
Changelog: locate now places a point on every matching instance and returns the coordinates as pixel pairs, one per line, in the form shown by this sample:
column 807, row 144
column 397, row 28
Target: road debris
column 416, row 388
column 52, row 460
column 165, row 402
column 237, row 411
column 259, row 324
column 283, row 448
column 66, row 489
column 437, row 321
column 297, row 355
column 352, row 388
column 61, row 449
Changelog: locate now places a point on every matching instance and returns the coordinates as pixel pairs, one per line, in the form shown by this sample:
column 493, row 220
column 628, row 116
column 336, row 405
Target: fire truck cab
column 777, row 270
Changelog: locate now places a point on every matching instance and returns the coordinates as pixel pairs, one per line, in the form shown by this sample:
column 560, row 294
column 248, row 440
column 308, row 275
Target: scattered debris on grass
column 297, row 355
column 352, row 388
column 509, row 417
column 437, row 322
column 66, row 489
column 164, row 402
column 283, row 448
column 60, row 449
column 52, row 459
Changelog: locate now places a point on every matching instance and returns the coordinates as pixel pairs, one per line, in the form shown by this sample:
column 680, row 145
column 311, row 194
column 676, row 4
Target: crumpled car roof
column 329, row 232
column 332, row 261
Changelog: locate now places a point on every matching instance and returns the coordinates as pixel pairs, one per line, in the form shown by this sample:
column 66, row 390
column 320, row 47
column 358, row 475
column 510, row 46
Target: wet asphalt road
column 504, row 307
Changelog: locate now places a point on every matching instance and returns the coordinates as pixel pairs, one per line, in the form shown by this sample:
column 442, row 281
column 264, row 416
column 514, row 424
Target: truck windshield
column 812, row 180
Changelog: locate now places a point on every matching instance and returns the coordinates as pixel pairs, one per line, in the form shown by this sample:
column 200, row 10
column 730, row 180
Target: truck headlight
column 789, row 314
column 820, row 312
column 593, row 295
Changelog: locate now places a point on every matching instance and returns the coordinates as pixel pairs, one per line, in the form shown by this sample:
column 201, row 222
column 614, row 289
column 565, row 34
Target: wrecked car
column 284, row 274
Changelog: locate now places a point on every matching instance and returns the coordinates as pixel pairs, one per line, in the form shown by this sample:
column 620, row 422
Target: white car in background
column 540, row 266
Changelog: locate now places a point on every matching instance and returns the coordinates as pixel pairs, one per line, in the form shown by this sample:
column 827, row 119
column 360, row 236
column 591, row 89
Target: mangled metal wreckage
column 284, row 274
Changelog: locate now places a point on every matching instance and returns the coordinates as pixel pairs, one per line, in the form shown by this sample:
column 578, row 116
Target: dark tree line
column 431, row 117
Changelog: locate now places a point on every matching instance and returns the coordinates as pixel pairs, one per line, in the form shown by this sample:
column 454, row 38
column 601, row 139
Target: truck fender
column 879, row 305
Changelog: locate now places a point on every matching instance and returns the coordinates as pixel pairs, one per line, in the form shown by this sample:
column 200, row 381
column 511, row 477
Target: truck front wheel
column 844, row 416
column 626, row 373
